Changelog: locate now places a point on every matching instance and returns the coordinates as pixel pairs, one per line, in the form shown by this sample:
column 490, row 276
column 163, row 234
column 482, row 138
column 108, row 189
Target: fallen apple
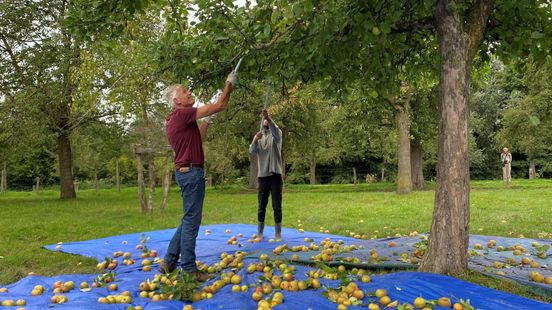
column 380, row 293
column 373, row 306
column 444, row 302
column 419, row 302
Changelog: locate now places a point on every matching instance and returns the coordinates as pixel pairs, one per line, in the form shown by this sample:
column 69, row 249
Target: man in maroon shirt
column 185, row 137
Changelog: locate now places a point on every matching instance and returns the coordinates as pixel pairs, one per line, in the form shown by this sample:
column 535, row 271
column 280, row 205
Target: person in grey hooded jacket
column 267, row 146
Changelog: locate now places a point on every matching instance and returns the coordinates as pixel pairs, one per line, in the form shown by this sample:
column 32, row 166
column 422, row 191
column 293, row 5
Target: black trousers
column 271, row 185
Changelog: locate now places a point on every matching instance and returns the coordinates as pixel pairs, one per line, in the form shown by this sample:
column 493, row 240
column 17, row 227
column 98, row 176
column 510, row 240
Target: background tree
column 527, row 121
column 44, row 60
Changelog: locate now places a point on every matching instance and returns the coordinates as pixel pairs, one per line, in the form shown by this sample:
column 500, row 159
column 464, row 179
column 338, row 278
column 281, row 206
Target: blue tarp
column 402, row 286
column 480, row 259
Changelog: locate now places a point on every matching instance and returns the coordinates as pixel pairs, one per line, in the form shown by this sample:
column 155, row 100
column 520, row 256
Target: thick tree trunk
column 532, row 169
column 65, row 166
column 4, row 178
column 141, row 185
column 417, row 164
column 382, row 173
column 404, row 175
column 285, row 135
column 151, row 179
column 166, row 182
column 312, row 169
column 448, row 241
column 64, row 125
column 253, row 172
column 117, row 176
column 355, row 179
column 96, row 185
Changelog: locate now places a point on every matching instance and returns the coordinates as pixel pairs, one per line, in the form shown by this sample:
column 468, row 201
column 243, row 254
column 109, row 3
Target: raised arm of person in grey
column 275, row 130
column 253, row 147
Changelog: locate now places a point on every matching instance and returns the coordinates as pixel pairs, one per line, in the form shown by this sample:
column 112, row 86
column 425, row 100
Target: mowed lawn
column 29, row 220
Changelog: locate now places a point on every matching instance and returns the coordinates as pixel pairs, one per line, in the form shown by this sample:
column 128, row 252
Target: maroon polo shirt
column 184, row 137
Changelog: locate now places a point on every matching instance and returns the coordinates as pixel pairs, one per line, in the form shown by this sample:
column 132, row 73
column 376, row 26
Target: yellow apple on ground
column 419, row 302
column 279, row 297
column 257, row 295
column 385, row 300
column 525, row 261
column 267, row 288
column 444, row 302
column 102, row 300
column 380, row 293
column 358, row 294
column 264, row 304
column 69, row 284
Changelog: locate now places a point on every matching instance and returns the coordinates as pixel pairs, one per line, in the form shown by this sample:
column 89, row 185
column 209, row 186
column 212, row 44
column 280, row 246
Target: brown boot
column 202, row 276
column 165, row 267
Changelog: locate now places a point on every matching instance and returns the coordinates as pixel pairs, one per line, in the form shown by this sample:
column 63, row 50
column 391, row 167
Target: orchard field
column 31, row 220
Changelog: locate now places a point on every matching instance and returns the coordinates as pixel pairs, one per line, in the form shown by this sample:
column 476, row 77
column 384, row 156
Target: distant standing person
column 506, row 158
column 185, row 137
column 267, row 146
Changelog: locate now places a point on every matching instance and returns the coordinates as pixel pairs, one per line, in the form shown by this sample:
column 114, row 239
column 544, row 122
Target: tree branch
column 477, row 23
column 426, row 23
column 13, row 58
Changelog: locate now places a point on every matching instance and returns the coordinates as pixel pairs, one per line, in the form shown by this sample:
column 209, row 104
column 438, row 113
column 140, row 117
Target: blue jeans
column 192, row 189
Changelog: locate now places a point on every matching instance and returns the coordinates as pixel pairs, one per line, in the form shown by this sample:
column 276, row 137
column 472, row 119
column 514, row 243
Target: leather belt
column 191, row 165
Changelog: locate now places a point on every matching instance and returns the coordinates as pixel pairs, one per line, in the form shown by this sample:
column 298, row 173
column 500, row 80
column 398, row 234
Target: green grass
column 31, row 220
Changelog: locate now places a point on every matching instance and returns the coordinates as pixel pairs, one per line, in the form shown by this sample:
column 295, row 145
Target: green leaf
column 297, row 10
column 537, row 35
column 385, row 28
column 534, row 120
column 428, row 4
column 308, row 6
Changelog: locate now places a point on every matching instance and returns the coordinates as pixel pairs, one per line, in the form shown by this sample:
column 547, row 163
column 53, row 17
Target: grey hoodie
column 269, row 151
